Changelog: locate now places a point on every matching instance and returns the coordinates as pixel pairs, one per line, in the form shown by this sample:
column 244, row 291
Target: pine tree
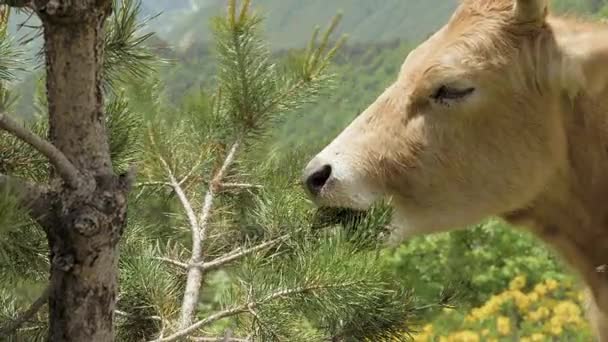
column 63, row 201
column 221, row 242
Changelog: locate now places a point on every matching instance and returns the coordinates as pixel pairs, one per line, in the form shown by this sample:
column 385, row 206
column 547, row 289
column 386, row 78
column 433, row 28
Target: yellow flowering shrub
column 547, row 311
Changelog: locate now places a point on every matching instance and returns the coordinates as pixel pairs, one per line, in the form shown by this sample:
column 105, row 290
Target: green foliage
column 251, row 89
column 126, row 53
column 335, row 287
column 578, row 6
column 124, row 128
column 480, row 261
column 11, row 56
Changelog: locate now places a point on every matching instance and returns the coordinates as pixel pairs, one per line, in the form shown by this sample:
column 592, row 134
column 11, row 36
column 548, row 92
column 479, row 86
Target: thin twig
column 240, row 253
column 215, row 183
column 240, row 186
column 173, row 262
column 12, row 326
column 218, row 339
column 126, row 314
column 257, row 317
column 149, row 184
column 64, row 167
column 194, row 168
column 243, row 308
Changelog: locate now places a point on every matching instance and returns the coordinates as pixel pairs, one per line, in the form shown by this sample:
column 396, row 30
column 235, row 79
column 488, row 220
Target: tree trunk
column 86, row 221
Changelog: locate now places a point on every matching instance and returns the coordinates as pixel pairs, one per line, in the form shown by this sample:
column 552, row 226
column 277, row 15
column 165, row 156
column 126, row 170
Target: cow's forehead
column 468, row 39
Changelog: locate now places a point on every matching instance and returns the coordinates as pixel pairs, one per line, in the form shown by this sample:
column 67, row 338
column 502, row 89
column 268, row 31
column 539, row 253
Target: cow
column 501, row 112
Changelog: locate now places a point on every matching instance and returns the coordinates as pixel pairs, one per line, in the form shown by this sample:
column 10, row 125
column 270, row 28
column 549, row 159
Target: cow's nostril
column 316, row 180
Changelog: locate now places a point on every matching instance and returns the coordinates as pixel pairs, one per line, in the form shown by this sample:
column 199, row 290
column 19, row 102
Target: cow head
column 469, row 129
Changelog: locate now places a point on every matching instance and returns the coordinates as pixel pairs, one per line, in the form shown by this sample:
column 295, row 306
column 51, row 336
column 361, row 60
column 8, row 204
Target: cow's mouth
column 330, row 216
column 370, row 226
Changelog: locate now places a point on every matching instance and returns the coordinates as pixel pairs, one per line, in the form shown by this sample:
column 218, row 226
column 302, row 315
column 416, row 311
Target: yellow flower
column 428, row 329
column 521, row 301
column 503, row 325
column 485, row 332
column 556, row 330
column 518, row 283
column 464, row 336
column 555, row 326
column 540, row 289
column 537, row 337
column 525, row 339
column 551, row 284
column 533, row 297
column 567, row 309
column 534, row 316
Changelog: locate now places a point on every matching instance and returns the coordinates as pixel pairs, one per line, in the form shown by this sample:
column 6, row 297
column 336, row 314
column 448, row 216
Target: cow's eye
column 445, row 93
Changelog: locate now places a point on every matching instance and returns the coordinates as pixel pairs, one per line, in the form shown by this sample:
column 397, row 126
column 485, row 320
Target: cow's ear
column 530, row 11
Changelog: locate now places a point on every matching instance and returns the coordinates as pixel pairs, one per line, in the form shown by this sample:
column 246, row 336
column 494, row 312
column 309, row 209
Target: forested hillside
column 364, row 20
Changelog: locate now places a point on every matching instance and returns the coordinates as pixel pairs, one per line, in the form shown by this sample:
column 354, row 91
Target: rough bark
column 86, row 220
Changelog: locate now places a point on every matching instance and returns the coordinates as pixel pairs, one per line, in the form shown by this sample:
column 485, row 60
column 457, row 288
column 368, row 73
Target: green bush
column 478, row 261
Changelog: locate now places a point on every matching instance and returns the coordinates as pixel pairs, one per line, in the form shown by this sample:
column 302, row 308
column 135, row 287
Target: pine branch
column 33, row 197
column 195, row 274
column 226, row 258
column 244, row 308
column 11, row 327
column 240, row 253
column 211, row 319
column 64, row 167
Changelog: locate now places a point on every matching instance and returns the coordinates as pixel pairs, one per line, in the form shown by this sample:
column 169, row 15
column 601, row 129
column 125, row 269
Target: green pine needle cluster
column 255, row 90
column 125, row 42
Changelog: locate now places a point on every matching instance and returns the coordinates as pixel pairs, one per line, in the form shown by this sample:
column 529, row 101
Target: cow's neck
column 572, row 214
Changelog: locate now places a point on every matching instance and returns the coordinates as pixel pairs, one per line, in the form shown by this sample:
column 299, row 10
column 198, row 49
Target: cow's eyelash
column 445, row 93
